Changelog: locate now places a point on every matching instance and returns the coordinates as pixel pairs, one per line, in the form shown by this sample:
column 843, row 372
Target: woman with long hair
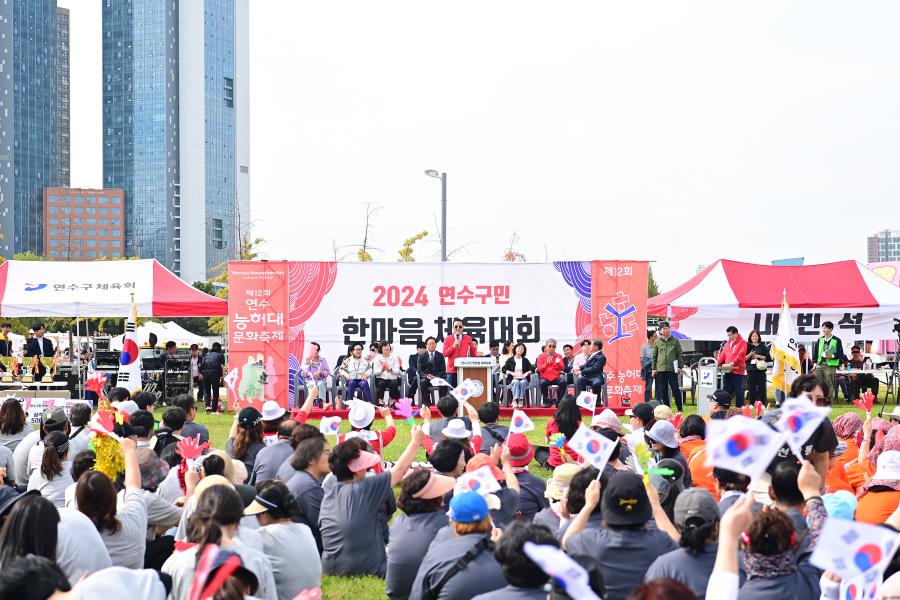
column 245, row 439
column 215, row 521
column 12, row 423
column 30, row 528
column 284, row 540
column 123, row 529
column 53, row 477
column 565, row 421
column 422, row 502
column 518, row 370
column 758, row 357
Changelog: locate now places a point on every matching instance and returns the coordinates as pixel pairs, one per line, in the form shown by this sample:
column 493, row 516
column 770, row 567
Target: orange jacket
column 695, row 453
column 876, row 507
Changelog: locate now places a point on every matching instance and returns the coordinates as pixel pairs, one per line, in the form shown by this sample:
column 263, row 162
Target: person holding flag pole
column 784, row 352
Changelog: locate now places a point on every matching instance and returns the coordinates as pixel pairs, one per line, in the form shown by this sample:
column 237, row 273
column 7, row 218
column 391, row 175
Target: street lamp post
column 443, row 178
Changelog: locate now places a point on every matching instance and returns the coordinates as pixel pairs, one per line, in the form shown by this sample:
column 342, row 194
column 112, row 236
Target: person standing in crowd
column 52, row 477
column 6, row 341
column 551, row 368
column 284, row 540
column 39, row 347
column 647, row 364
column 422, row 502
column 518, row 370
column 387, row 368
column 624, row 545
column 758, row 357
column 196, row 375
column 828, row 354
column 245, row 440
column 352, row 537
column 13, row 422
column 457, row 345
column 212, row 369
column 310, row 464
column 697, row 519
column 316, row 371
column 431, row 366
column 461, row 567
column 566, row 421
column 356, row 370
column 412, row 373
column 668, row 357
column 592, row 375
column 525, row 579
column 732, row 361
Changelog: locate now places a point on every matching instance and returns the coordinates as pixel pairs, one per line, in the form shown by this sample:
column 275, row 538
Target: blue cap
column 468, row 507
column 840, row 505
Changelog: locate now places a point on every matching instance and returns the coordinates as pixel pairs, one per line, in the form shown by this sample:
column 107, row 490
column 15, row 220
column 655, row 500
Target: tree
column 652, row 288
column 219, row 282
column 511, row 254
column 406, row 252
column 363, row 254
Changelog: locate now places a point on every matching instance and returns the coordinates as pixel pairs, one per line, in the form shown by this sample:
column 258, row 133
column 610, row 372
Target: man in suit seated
column 430, row 364
column 592, row 372
column 40, row 347
column 412, row 375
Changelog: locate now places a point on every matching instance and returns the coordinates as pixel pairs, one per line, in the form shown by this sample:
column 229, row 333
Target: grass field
column 372, row 587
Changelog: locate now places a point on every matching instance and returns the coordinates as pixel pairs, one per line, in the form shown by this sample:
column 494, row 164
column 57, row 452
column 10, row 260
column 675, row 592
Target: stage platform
column 505, row 412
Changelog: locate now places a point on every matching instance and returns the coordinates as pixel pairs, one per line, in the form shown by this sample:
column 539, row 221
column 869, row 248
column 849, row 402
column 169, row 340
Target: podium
column 708, row 372
column 476, row 368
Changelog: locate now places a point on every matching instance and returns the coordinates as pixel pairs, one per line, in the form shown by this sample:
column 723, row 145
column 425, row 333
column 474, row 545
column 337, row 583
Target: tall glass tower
column 28, row 120
column 174, row 120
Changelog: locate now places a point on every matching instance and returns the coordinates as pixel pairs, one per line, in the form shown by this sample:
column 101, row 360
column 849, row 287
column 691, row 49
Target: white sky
column 676, row 132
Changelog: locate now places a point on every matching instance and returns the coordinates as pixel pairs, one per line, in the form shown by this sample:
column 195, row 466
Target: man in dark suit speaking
column 40, row 347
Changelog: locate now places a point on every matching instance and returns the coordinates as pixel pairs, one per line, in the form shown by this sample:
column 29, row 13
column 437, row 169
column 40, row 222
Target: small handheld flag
column 438, row 382
column 587, row 400
column 520, row 423
column 480, row 480
column 559, row 565
column 851, row 548
column 799, row 420
column 592, row 447
column 330, row 425
column 741, row 445
column 865, row 403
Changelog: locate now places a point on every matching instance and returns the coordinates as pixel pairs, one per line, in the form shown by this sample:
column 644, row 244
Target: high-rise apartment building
column 29, row 50
column 62, row 97
column 884, row 246
column 83, row 224
column 175, row 120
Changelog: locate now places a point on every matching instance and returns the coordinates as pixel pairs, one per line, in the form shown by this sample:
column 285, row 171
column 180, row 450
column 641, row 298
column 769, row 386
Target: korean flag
column 799, row 420
column 851, row 548
column 480, row 480
column 520, row 423
column 587, row 400
column 741, row 445
column 592, row 447
column 330, row 425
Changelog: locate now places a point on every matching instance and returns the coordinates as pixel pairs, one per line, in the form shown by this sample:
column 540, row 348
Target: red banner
column 257, row 333
column 619, row 318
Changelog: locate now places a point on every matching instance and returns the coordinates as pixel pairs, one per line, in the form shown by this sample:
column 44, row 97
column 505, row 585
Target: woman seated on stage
column 357, row 370
column 387, row 368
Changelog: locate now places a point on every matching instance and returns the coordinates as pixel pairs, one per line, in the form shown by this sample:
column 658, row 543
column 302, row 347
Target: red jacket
column 467, row 347
column 735, row 352
column 550, row 369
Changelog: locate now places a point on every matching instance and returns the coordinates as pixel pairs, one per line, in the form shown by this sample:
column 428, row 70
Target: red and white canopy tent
column 100, row 289
column 861, row 304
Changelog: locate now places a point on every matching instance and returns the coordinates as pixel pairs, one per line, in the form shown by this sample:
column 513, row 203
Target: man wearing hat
column 531, row 487
column 361, row 417
column 719, row 403
column 624, row 547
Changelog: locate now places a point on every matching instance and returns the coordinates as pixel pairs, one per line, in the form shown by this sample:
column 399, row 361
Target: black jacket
column 33, row 347
column 6, row 347
column 436, row 367
column 510, row 366
column 593, row 368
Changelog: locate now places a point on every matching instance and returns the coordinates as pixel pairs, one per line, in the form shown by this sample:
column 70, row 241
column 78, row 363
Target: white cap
column 456, row 429
column 271, row 410
column 361, row 414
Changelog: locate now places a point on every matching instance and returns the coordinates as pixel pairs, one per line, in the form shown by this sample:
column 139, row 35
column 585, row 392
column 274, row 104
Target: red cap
column 481, row 460
column 520, row 449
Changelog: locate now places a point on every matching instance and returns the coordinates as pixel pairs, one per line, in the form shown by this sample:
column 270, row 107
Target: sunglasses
column 457, row 327
column 551, row 345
